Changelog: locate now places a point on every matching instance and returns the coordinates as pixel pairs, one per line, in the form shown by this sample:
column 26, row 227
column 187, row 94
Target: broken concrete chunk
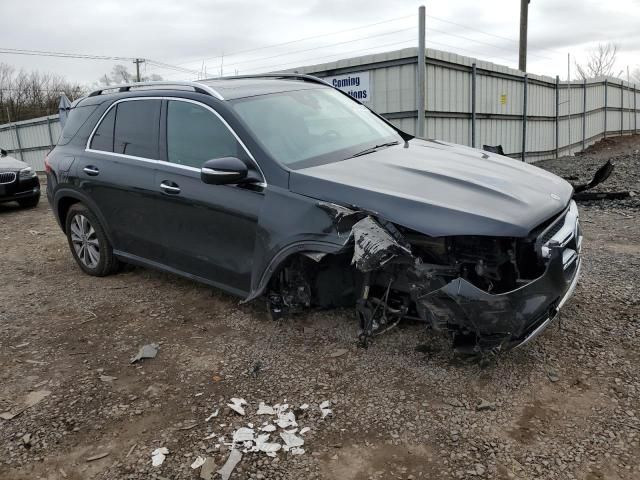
column 198, row 462
column 324, row 408
column 264, row 409
column 32, row 399
column 236, row 405
column 268, row 428
column 107, row 378
column 296, row 451
column 208, row 469
column 158, row 456
column 243, row 434
column 338, row 352
column 485, row 405
column 146, row 351
column 291, row 440
column 213, row 415
column 286, row 420
column 232, row 460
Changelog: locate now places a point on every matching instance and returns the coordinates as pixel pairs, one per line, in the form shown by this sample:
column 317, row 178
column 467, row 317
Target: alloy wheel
column 85, row 241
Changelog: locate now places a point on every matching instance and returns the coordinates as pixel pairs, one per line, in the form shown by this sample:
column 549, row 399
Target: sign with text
column 355, row 84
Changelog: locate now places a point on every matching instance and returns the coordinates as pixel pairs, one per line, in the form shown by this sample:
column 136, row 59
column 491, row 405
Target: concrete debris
column 268, row 428
column 97, row 457
column 26, row 440
column 32, row 399
column 243, row 434
column 227, row 469
column 213, row 415
column 286, row 420
column 264, row 409
column 146, row 351
column 198, row 462
column 485, row 405
column 296, row 451
column 158, row 456
column 338, row 353
column 291, row 440
column 236, row 405
column 304, row 406
column 208, row 469
column 324, row 408
column 304, row 430
column 107, row 378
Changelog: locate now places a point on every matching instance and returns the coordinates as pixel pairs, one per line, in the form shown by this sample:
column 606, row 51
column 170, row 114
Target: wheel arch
column 65, row 198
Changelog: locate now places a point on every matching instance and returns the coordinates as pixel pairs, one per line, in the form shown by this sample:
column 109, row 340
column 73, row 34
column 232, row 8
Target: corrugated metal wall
column 449, row 98
column 30, row 140
column 499, row 102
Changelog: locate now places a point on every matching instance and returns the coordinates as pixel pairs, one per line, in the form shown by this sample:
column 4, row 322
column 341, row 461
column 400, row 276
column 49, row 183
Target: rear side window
column 195, row 135
column 103, row 137
column 130, row 128
column 77, row 117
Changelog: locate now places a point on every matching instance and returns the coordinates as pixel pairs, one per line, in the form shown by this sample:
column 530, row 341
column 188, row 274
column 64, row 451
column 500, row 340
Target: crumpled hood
column 440, row 189
column 11, row 164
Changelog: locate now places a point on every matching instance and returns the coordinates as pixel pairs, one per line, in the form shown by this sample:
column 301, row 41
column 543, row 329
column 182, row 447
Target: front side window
column 303, row 126
column 195, row 135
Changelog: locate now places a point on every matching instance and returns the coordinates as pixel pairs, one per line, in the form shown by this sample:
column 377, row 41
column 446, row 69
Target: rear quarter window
column 76, row 119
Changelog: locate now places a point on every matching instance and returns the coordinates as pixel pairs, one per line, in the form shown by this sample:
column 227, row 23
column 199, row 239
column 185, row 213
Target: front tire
column 88, row 242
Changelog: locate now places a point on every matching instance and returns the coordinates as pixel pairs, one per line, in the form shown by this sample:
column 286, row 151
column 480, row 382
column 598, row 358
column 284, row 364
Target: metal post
column 18, row 140
column 557, row 116
column 49, row 131
column 606, row 97
column 422, row 72
column 524, row 118
column 635, row 110
column 473, row 105
column 622, row 107
column 584, row 113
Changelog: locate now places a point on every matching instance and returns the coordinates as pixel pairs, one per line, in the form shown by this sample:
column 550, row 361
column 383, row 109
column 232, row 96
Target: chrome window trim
column 164, row 162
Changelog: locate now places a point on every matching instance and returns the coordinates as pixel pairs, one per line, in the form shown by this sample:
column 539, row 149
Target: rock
column 338, row 352
column 208, row 469
column 485, row 405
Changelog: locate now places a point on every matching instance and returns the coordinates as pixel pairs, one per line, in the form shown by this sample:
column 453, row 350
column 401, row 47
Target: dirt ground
column 564, row 406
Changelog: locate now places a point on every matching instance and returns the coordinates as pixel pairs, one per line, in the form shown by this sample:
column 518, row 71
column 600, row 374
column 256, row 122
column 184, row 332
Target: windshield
column 321, row 124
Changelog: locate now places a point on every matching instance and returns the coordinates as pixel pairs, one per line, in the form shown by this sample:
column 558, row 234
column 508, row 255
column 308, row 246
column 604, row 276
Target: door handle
column 91, row 170
column 171, row 189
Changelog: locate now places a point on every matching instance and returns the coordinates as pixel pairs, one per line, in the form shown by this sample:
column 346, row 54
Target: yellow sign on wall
column 503, row 99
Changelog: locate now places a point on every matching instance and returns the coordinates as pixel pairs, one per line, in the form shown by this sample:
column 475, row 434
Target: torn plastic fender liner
column 504, row 319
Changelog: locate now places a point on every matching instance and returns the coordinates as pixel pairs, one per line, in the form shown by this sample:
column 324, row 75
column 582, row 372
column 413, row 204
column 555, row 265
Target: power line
column 45, row 53
column 303, row 39
column 319, row 47
column 485, row 33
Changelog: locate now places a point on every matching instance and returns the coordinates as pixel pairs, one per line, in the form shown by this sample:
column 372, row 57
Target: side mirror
column 222, row 171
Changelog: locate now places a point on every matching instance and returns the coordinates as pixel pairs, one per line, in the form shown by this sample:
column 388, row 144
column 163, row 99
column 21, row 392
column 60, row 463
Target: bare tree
column 600, row 63
column 120, row 74
column 25, row 95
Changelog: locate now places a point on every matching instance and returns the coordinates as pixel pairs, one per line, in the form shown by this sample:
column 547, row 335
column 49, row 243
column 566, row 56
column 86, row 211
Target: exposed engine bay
column 489, row 293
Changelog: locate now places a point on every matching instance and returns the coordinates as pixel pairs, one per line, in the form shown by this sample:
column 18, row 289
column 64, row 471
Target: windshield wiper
column 374, row 148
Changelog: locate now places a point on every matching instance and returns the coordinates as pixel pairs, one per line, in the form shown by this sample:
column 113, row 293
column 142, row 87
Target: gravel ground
column 564, row 406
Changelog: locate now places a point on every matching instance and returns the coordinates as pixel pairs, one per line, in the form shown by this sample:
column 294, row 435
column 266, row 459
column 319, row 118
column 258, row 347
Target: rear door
column 117, row 173
column 209, row 230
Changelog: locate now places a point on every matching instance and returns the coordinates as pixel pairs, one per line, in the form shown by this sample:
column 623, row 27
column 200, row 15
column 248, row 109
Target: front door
column 209, row 231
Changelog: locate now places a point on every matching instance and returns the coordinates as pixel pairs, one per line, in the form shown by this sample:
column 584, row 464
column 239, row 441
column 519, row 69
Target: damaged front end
column 489, row 293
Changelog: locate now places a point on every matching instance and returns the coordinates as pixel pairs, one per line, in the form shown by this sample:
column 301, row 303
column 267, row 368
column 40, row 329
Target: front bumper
column 20, row 189
column 484, row 321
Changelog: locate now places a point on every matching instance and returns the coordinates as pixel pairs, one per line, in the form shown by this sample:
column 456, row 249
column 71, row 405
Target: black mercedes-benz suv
column 283, row 187
column 18, row 182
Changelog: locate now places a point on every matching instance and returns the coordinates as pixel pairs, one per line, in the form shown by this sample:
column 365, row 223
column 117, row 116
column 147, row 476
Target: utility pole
column 524, row 21
column 138, row 61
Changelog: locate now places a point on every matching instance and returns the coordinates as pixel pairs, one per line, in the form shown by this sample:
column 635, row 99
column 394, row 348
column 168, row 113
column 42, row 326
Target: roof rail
column 197, row 87
column 293, row 76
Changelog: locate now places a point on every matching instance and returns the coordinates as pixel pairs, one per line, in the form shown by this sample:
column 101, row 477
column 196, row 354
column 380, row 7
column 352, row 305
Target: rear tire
column 88, row 242
column 29, row 202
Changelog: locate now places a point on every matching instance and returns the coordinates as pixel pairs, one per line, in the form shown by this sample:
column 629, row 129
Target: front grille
column 7, row 177
column 565, row 233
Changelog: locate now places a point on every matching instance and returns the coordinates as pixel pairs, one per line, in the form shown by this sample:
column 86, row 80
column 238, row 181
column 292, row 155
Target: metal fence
column 476, row 103
column 468, row 101
column 30, row 140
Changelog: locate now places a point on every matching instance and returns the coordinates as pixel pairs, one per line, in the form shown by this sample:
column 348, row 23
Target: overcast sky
column 190, row 33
